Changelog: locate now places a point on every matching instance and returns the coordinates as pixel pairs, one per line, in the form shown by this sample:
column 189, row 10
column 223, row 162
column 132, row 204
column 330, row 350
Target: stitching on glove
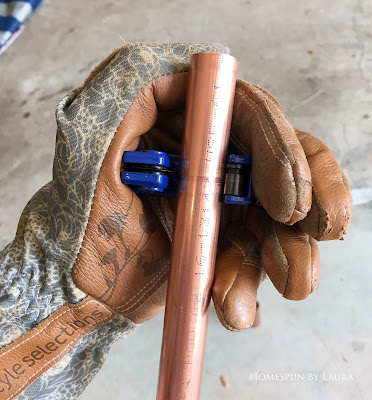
column 243, row 262
column 72, row 309
column 62, row 353
column 323, row 217
column 69, row 310
column 240, row 267
column 238, row 143
column 255, row 107
column 269, row 95
column 312, row 267
column 168, row 215
column 223, row 320
column 258, row 109
column 347, row 215
column 245, row 256
column 221, row 317
column 286, row 259
column 277, row 106
column 163, row 219
column 159, row 275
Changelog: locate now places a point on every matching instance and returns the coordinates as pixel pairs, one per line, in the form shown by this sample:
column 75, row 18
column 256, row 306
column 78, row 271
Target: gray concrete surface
column 316, row 58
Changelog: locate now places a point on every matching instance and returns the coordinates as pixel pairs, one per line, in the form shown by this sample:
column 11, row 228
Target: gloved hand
column 305, row 197
column 90, row 258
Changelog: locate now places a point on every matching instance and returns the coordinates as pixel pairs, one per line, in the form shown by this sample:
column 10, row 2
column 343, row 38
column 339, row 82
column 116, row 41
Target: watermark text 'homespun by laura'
column 298, row 377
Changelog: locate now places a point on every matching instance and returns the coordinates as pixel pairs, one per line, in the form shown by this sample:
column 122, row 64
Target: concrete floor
column 316, row 58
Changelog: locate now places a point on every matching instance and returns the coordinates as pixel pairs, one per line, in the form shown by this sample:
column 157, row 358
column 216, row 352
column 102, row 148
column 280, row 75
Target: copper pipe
column 209, row 102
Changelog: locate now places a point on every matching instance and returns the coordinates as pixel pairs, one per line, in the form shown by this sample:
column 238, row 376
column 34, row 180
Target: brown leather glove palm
column 305, row 197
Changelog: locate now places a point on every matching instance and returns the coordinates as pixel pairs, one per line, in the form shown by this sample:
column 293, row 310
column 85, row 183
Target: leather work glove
column 90, row 258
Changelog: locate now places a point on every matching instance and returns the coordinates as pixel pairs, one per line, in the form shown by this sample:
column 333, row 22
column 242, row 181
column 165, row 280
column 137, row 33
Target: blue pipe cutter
column 157, row 173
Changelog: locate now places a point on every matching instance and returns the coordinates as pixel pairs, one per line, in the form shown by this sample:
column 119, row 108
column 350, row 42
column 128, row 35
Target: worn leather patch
column 23, row 361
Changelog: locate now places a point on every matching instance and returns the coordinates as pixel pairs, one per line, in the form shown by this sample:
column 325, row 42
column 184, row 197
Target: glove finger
column 289, row 256
column 331, row 210
column 280, row 172
column 237, row 276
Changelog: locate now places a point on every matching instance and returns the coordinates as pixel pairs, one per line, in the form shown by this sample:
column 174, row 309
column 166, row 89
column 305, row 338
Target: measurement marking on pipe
column 212, row 128
column 196, row 300
column 205, row 227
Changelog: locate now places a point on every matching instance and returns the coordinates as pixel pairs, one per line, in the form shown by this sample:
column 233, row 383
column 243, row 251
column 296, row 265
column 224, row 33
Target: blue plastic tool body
column 156, row 173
